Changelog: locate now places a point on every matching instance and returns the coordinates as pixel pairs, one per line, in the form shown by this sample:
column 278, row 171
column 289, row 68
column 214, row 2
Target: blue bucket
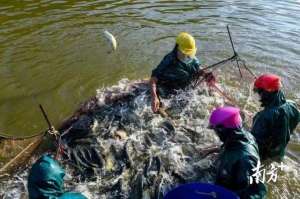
column 200, row 191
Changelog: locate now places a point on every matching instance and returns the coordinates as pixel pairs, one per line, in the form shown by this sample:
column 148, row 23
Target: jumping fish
column 111, row 39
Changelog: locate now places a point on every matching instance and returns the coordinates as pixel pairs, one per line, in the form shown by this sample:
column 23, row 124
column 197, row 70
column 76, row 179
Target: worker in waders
column 176, row 71
column 238, row 155
column 46, row 181
column 273, row 125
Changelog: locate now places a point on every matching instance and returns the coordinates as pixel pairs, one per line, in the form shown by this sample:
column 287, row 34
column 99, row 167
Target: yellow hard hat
column 186, row 44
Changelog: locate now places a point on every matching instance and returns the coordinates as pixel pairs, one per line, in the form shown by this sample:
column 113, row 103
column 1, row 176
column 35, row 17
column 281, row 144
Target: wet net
column 115, row 147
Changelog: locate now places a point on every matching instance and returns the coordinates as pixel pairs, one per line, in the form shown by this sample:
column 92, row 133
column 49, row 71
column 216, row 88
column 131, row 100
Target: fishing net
column 117, row 141
column 115, row 147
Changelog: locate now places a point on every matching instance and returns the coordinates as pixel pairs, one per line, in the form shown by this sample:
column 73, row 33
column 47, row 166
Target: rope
column 51, row 130
column 213, row 67
column 20, row 155
column 11, row 137
column 60, row 148
column 32, row 147
column 235, row 57
column 231, row 100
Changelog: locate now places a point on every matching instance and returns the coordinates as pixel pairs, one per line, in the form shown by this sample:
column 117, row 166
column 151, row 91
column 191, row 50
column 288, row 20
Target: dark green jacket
column 46, row 181
column 172, row 74
column 273, row 126
column 238, row 157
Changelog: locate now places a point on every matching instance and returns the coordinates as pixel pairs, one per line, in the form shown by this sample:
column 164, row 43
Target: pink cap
column 228, row 117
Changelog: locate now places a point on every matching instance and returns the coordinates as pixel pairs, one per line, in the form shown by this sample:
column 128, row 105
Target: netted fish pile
column 132, row 153
column 116, row 147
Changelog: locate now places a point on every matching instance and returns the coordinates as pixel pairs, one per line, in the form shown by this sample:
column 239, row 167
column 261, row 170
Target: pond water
column 55, row 53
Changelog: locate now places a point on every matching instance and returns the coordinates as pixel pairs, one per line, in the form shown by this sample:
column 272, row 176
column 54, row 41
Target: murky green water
column 54, row 52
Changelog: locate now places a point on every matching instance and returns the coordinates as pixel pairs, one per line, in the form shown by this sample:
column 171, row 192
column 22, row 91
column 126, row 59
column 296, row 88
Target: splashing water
column 144, row 155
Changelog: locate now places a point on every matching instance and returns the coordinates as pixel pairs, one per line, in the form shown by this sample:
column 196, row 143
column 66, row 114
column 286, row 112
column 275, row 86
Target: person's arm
column 154, row 98
column 260, row 130
column 158, row 74
column 295, row 112
column 280, row 134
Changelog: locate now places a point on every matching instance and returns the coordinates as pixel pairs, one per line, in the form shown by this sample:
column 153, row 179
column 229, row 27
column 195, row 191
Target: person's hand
column 210, row 78
column 155, row 104
column 200, row 72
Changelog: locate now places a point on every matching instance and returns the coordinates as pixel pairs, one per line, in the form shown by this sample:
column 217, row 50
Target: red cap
column 268, row 82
